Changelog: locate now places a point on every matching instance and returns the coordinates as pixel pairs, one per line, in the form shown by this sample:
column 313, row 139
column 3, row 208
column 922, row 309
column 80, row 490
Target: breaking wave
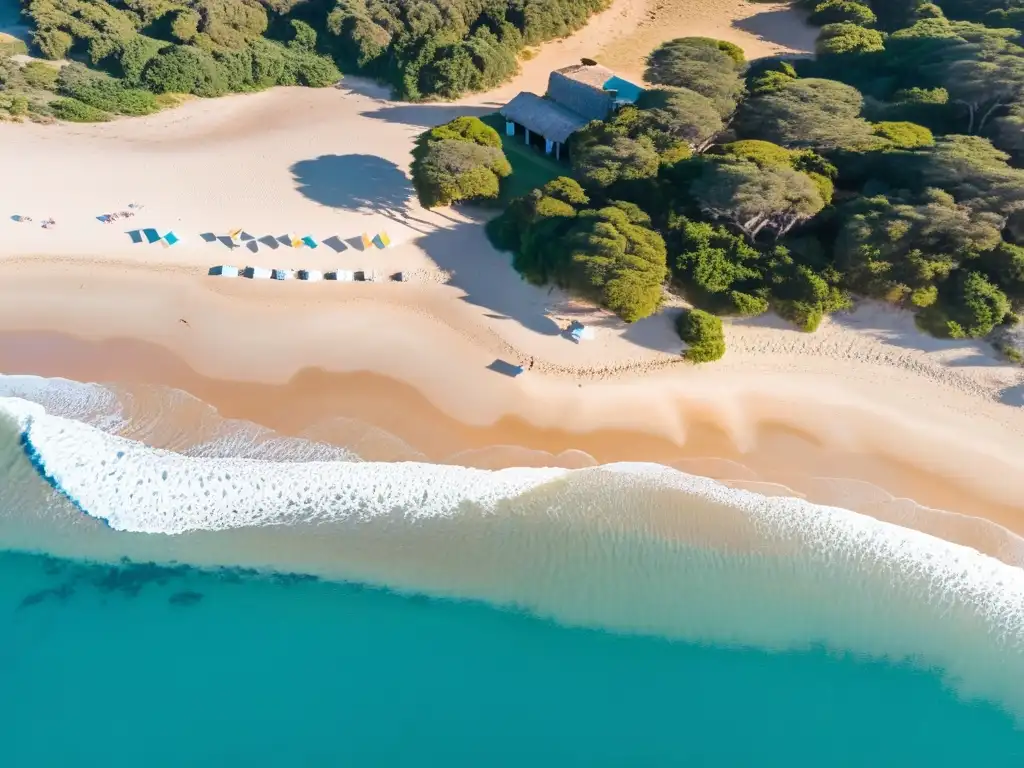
column 637, row 548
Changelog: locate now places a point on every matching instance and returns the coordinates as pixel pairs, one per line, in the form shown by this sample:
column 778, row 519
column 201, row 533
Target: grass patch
column 531, row 168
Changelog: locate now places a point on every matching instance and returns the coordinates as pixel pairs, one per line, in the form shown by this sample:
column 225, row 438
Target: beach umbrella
column 136, row 236
column 367, row 242
column 382, row 240
column 309, row 241
column 151, row 236
column 296, row 241
column 235, row 235
column 170, row 239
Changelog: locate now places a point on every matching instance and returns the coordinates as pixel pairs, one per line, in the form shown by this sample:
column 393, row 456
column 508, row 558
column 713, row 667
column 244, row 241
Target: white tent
column 258, row 273
column 343, row 275
column 224, row 270
column 281, row 274
column 310, row 274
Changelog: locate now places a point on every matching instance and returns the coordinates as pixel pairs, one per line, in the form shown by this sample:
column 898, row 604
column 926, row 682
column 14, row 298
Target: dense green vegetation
column 703, row 335
column 211, row 47
column 890, row 166
column 459, row 161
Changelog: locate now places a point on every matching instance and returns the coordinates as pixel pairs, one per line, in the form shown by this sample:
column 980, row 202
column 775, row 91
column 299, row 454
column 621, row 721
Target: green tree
column 451, row 171
column 753, row 199
column 839, row 39
column 809, row 112
column 840, row 11
column 622, row 262
column 712, row 68
column 703, row 335
column 599, row 160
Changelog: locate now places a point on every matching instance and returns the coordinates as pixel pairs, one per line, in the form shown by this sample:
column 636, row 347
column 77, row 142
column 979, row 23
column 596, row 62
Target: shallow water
column 139, row 666
column 630, row 614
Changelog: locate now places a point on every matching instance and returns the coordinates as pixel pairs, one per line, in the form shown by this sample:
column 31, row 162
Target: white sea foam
column 630, row 547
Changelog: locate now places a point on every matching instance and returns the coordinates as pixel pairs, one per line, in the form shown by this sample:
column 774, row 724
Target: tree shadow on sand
column 362, row 183
column 785, row 27
column 427, row 115
column 489, row 281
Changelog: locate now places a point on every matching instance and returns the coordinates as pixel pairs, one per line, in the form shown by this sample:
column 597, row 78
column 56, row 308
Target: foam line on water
column 631, row 547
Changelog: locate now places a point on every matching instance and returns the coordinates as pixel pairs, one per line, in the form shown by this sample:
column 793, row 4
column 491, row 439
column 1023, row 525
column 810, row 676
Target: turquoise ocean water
column 200, row 609
column 127, row 666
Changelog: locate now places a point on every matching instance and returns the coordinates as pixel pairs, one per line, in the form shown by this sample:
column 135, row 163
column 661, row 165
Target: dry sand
column 866, row 398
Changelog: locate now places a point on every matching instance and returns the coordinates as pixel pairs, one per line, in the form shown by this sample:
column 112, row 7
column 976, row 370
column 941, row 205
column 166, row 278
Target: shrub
column 904, row 135
column 40, row 75
column 104, row 93
column 135, row 55
column 53, row 43
column 12, row 46
column 471, row 129
column 703, row 335
column 181, row 69
column 75, row 111
column 746, row 305
column 313, row 70
column 839, row 11
column 450, row 171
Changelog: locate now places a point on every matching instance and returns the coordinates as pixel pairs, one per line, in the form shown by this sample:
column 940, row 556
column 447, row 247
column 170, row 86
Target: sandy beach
column 869, row 409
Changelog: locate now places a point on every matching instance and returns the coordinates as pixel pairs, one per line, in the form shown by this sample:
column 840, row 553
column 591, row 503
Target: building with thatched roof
column 576, row 95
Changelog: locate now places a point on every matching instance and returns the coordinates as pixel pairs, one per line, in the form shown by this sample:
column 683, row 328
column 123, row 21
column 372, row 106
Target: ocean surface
column 234, row 597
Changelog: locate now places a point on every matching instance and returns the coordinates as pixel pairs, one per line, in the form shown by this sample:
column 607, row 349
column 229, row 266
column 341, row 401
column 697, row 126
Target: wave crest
column 629, row 547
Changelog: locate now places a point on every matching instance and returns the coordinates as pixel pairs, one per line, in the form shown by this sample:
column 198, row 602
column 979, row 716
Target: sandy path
column 760, row 29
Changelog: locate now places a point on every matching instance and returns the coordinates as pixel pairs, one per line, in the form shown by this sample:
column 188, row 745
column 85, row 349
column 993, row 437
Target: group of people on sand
column 47, row 223
column 108, row 218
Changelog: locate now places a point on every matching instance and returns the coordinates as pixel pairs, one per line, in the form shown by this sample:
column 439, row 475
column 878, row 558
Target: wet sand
column 387, row 419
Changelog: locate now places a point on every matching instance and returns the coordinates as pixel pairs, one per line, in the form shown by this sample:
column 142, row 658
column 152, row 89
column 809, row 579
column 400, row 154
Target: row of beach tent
column 241, row 238
column 309, row 275
column 151, row 236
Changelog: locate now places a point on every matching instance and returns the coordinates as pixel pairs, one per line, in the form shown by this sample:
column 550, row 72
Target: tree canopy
column 459, row 161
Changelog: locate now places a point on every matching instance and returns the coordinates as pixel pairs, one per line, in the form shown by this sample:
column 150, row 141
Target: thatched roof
column 543, row 116
column 580, row 88
column 590, row 74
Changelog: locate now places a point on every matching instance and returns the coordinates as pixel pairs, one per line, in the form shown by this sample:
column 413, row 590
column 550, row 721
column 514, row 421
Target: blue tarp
column 627, row 91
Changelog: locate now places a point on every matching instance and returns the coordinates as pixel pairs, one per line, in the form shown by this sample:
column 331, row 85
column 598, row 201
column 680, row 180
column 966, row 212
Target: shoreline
column 413, row 362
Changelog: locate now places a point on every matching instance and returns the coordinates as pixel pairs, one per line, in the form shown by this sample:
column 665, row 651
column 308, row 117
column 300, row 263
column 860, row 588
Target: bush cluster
column 458, row 162
column 208, row 47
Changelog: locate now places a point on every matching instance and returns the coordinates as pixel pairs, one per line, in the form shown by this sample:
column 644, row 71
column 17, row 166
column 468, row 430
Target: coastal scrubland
column 137, row 50
column 887, row 166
